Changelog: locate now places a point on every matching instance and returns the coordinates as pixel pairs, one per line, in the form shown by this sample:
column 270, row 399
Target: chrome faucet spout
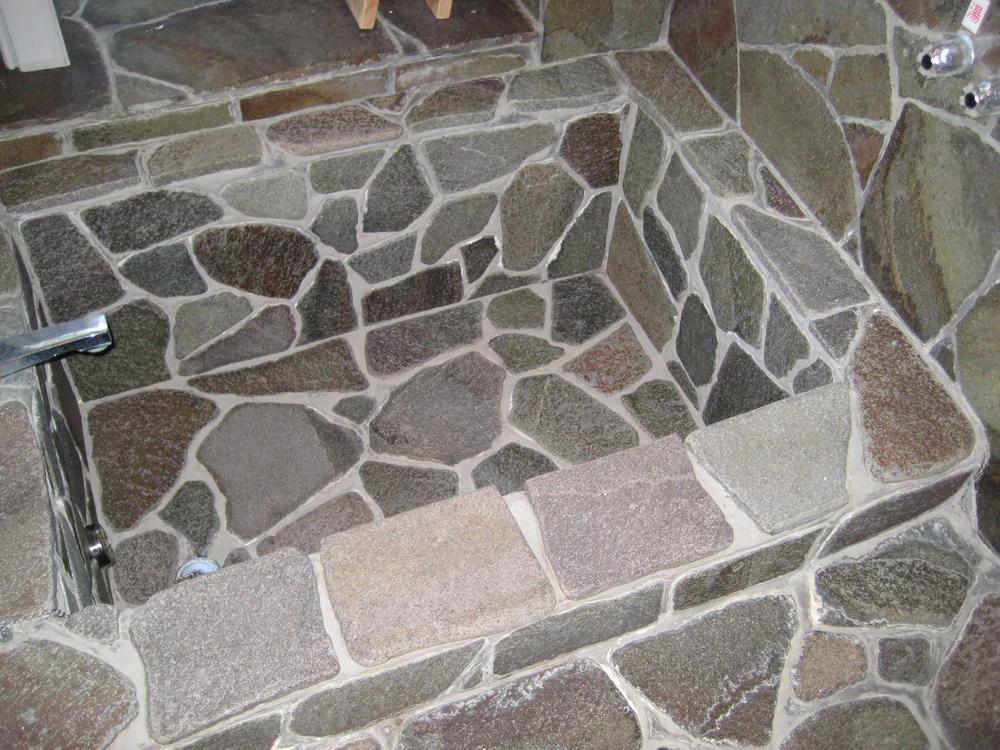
column 89, row 334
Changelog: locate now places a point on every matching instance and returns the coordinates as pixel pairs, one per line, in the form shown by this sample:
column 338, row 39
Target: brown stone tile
column 657, row 75
column 471, row 22
column 330, row 91
column 462, row 103
column 592, row 146
column 331, row 130
column 777, row 197
column 59, row 181
column 613, row 364
column 703, row 34
column 30, row 148
column 445, row 572
column 828, row 663
column 579, row 27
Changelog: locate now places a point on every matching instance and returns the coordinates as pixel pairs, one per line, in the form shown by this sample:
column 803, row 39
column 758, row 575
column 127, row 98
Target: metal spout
column 983, row 98
column 952, row 57
column 89, row 334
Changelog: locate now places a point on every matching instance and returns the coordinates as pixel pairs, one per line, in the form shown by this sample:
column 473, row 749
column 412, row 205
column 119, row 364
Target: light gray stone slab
column 276, row 196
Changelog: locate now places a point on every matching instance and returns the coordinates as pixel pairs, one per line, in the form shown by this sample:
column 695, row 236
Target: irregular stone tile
column 138, row 93
column 837, row 331
column 828, row 663
column 637, row 279
column 573, row 29
column 741, row 386
column 662, row 516
column 264, row 259
column 307, row 532
column 456, row 221
column 204, row 153
column 681, row 202
column 580, row 627
column 867, row 724
column 496, row 21
column 958, row 224
column 446, row 413
column 912, row 428
column 815, row 62
column 784, row 344
column 853, row 22
column 944, row 92
column 920, row 577
column 659, row 409
column 331, row 130
column 977, row 361
column 791, row 124
column 327, row 308
column 905, row 660
column 273, row 629
column 520, row 352
column 29, row 149
column 703, row 34
column 355, row 408
column 722, row 161
column 520, row 309
column 398, row 195
column 413, row 570
column 866, row 146
column 662, row 249
column 534, row 212
column 423, row 290
column 717, row 677
column 149, row 127
column 396, row 489
column 238, row 555
column 144, row 564
column 612, row 364
column 803, row 474
column 811, row 270
column 268, row 459
column 681, row 378
column 734, row 286
column 270, row 331
column 98, row 622
column 140, row 332
column 881, row 516
column 58, row 93
column 574, row 84
column 56, row 696
column 592, row 146
column 339, row 173
column 496, row 283
column 201, row 320
column 191, row 511
column 861, row 87
column 457, row 68
column 510, row 467
column 582, row 307
column 583, row 247
column 272, row 196
column 336, row 224
column 400, row 346
column 763, row 564
column 658, row 76
column 366, row 701
column 645, row 155
column 385, row 261
column 815, row 375
column 165, row 271
column 60, row 181
column 777, row 197
column 499, row 151
column 256, row 734
column 318, row 93
column 465, row 103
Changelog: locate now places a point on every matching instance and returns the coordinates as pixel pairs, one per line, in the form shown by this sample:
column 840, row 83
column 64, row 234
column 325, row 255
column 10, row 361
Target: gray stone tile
column 977, row 361
column 734, row 285
column 336, row 224
column 803, row 473
column 398, row 195
column 149, row 218
column 60, row 181
column 456, row 68
column 203, row 319
column 784, row 344
column 477, row 257
column 813, row 376
column 339, row 173
column 520, row 352
column 658, row 76
column 645, row 155
column 281, row 195
column 331, row 130
column 396, row 489
column 573, row 29
column 703, row 34
column 355, row 408
column 740, row 387
column 534, row 212
column 940, row 92
column 681, row 202
column 136, row 93
column 144, row 564
column 327, row 308
column 612, row 364
column 270, row 331
column 205, row 153
column 861, row 87
column 272, row 628
column 584, row 245
column 264, row 259
column 465, row 103
column 455, row 221
column 165, row 271
column 837, row 331
column 256, row 734
column 510, row 467
column 403, row 584
column 10, row 274
column 191, row 511
column 424, row 290
column 870, row 723
column 681, row 378
column 496, row 283
column 906, row 660
column 696, row 341
column 573, row 84
column 829, row 662
column 659, row 409
column 408, row 343
column 592, row 146
column 519, row 309
column 307, row 532
column 662, row 249
column 149, row 127
column 385, row 261
column 97, row 622
column 852, row 22
column 722, row 161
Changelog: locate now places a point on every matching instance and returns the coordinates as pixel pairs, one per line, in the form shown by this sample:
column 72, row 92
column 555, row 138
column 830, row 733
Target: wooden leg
column 440, row 8
column 364, row 12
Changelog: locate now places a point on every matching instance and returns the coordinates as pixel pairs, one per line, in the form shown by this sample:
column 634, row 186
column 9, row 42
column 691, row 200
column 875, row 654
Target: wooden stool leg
column 364, row 12
column 440, row 8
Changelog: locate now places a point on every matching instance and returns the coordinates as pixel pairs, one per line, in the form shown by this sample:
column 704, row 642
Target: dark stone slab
column 329, row 91
column 837, row 331
column 518, row 309
column 144, row 564
column 339, row 173
column 423, row 290
column 355, row 408
column 703, row 34
column 662, row 249
column 659, row 409
column 520, row 352
column 681, row 203
column 582, row 307
column 657, row 75
column 573, row 28
column 861, row 87
column 813, row 376
column 572, row 705
column 327, row 308
column 385, row 261
column 510, row 467
column 270, row 331
column 905, row 660
column 268, row 459
column 764, row 564
column 645, row 155
column 784, row 344
column 140, row 332
column 102, row 13
column 204, row 153
column 139, row 444
column 55, row 696
column 734, row 286
column 717, row 677
column 919, row 578
column 400, row 346
column 135, row 93
column 790, row 122
column 497, row 283
column 73, row 276
column 328, row 366
column 566, row 421
column 723, row 162
column 499, row 151
column 534, row 212
column 29, row 149
column 850, row 23
column 740, row 387
column 680, row 376
column 499, row 21
column 592, row 146
column 445, row 413
column 465, row 103
column 580, row 627
column 336, row 224
column 777, row 197
column 866, row 147
column 396, row 489
column 149, row 218
column 165, row 271
column 263, row 259
column 398, row 195
column 60, row 181
column 867, row 724
column 583, row 247
column 912, row 428
column 199, row 321
column 574, row 84
column 308, row 531
column 256, row 734
column 331, row 130
column 148, row 127
column 191, row 511
column 613, row 364
column 456, row 221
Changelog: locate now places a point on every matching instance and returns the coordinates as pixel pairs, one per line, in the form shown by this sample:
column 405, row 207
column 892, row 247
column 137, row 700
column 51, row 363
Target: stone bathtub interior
column 565, row 375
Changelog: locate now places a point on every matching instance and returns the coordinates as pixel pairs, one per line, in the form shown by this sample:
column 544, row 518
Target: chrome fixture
column 954, row 56
column 97, row 546
column 195, row 568
column 89, row 334
column 983, row 98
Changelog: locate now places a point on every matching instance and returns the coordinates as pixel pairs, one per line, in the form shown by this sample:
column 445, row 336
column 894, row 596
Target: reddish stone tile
column 866, row 145
column 29, row 149
column 703, row 34
column 614, row 363
column 330, row 91
column 331, row 130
